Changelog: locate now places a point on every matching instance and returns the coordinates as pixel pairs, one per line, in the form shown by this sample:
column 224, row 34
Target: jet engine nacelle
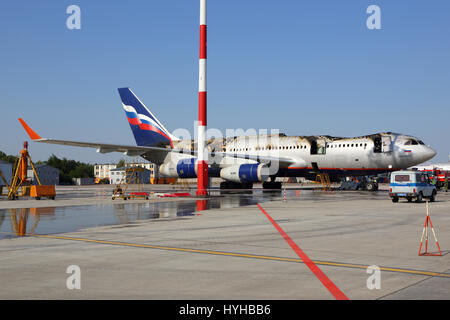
column 185, row 168
column 249, row 172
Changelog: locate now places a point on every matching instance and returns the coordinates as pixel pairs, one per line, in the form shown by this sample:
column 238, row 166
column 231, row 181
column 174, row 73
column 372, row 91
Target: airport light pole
column 202, row 163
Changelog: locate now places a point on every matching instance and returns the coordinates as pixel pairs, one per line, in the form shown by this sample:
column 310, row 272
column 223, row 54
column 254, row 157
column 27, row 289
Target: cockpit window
column 421, row 142
column 412, row 142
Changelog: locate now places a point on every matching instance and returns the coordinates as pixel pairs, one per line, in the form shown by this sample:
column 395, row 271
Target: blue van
column 411, row 185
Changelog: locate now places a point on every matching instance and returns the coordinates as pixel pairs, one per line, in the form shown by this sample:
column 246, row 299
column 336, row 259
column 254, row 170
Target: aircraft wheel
column 394, row 199
column 370, row 186
column 247, row 185
column 272, row 185
column 224, row 185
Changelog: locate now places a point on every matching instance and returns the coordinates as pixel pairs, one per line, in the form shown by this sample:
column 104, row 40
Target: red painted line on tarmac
column 334, row 290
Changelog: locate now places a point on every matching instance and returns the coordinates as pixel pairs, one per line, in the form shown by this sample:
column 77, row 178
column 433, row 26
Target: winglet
column 33, row 135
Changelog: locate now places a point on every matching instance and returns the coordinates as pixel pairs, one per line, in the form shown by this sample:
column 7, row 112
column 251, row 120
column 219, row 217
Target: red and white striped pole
column 202, row 163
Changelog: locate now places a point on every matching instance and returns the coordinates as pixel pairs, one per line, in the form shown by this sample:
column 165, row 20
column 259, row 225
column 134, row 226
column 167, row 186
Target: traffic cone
column 425, row 232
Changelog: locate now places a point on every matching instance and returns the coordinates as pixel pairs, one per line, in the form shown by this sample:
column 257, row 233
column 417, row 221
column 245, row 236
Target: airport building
column 108, row 171
column 119, row 175
column 102, row 171
column 47, row 175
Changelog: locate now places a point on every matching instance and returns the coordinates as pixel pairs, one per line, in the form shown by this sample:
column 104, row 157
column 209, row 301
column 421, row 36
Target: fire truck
column 439, row 171
column 441, row 175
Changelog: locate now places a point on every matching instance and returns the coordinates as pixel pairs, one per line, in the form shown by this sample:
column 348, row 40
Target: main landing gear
column 269, row 185
column 364, row 184
column 371, row 186
column 230, row 185
column 272, row 185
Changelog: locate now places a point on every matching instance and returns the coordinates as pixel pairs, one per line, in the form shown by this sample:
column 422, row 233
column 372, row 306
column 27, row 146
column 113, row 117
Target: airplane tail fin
column 147, row 129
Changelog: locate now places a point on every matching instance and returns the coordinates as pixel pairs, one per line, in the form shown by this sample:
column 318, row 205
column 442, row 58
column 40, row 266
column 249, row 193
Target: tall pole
column 202, row 163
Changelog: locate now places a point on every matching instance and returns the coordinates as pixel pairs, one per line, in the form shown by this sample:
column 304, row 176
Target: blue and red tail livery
column 147, row 130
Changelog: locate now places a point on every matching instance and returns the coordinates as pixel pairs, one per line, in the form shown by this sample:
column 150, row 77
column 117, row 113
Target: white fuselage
column 301, row 156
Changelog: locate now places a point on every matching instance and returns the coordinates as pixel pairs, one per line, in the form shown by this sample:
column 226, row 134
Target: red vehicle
column 439, row 174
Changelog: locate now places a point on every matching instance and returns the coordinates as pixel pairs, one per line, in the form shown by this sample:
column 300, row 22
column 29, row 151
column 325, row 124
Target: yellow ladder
column 324, row 179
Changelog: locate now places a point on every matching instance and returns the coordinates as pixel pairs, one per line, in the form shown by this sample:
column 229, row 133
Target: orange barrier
column 43, row 191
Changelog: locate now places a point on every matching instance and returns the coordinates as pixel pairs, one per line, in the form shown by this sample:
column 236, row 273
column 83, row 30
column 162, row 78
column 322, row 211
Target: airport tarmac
column 315, row 245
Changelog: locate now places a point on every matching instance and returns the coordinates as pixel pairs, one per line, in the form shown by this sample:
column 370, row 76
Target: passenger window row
column 341, row 145
column 267, row 148
column 347, row 145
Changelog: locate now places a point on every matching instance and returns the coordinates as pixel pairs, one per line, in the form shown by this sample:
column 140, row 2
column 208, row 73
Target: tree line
column 68, row 169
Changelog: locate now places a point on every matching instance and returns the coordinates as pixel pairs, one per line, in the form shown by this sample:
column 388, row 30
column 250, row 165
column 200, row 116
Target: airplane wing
column 105, row 147
column 141, row 150
column 101, row 147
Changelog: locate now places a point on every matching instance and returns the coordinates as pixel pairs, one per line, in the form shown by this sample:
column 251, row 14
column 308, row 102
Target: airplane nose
column 429, row 152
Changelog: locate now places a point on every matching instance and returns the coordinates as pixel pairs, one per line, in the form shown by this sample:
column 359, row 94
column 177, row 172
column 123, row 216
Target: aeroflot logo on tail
column 144, row 122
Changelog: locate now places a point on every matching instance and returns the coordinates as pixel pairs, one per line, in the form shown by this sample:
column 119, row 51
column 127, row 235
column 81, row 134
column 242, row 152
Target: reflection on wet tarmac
column 71, row 218
column 19, row 219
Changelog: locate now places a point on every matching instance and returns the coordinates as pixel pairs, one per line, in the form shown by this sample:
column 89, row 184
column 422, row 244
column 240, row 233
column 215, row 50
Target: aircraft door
column 318, row 146
column 321, row 146
column 386, row 144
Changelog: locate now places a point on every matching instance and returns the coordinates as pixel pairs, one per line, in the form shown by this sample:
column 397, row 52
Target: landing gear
column 232, row 186
column 271, row 185
column 364, row 183
column 371, row 186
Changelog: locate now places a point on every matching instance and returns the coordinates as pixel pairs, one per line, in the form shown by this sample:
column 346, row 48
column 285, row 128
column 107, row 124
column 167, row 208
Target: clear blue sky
column 304, row 67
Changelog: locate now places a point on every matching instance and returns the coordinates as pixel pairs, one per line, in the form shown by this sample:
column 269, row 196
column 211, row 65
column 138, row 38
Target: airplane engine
column 245, row 173
column 185, row 168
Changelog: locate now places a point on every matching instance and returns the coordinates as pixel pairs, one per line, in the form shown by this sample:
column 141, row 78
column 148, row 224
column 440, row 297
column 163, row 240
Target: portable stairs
column 324, row 179
column 131, row 177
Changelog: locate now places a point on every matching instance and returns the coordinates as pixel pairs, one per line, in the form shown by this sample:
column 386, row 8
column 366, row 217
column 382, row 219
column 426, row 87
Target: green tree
column 7, row 158
column 69, row 169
